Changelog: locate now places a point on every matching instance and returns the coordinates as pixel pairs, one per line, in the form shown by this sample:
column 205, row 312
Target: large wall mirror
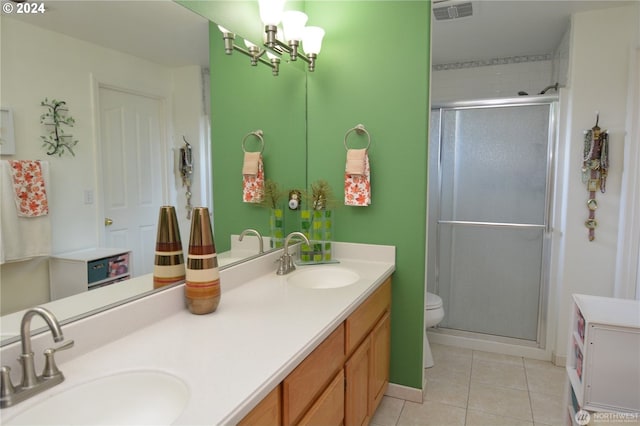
column 86, row 53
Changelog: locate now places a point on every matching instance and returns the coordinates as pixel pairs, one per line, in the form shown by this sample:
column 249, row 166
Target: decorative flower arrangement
column 57, row 141
column 272, row 194
column 321, row 196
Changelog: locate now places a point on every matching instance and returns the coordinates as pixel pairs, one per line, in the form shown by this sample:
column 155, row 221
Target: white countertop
column 232, row 358
column 96, row 299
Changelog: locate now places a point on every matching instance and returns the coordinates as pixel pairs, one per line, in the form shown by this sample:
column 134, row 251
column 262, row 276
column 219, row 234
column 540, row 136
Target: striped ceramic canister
column 168, row 266
column 202, row 286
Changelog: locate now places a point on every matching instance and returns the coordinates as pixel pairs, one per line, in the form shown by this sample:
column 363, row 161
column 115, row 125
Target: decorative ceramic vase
column 202, row 285
column 276, row 225
column 168, row 266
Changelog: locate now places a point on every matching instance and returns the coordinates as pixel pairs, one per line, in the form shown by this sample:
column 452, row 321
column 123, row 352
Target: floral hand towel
column 29, row 188
column 252, row 178
column 357, row 186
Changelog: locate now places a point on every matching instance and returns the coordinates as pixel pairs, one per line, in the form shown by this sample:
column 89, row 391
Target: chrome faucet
column 257, row 234
column 285, row 262
column 31, row 383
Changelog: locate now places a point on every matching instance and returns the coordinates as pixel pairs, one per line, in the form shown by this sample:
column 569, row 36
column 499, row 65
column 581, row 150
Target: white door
column 132, row 146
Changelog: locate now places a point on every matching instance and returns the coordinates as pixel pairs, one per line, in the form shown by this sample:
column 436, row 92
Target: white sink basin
column 323, row 277
column 128, row 398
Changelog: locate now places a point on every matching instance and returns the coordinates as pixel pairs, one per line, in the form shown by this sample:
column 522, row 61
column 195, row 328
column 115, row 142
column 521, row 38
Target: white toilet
column 433, row 314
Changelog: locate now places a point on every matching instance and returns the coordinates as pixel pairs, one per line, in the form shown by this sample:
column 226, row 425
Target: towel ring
column 258, row 134
column 359, row 129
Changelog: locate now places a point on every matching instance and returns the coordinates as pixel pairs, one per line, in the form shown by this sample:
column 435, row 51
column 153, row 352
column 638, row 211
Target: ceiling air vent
column 459, row 10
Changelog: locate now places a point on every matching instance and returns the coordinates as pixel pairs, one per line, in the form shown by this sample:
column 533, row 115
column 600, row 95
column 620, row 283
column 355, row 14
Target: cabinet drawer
column 329, row 408
column 306, row 382
column 108, row 267
column 267, row 412
column 98, row 270
column 362, row 320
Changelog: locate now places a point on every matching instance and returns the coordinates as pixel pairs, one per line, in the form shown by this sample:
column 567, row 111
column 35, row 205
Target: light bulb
column 312, row 40
column 271, row 11
column 249, row 44
column 271, row 55
column 223, row 30
column 293, row 23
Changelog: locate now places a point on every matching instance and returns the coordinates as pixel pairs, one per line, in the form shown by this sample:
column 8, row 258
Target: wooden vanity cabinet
column 268, row 412
column 381, row 357
column 343, row 380
column 357, row 370
column 302, row 387
column 368, row 330
column 328, row 410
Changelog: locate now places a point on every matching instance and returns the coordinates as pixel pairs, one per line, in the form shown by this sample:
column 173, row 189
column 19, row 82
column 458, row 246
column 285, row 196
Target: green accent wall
column 244, row 99
column 374, row 69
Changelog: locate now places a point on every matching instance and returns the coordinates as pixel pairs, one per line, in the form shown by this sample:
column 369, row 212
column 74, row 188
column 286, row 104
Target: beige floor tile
column 544, row 377
column 498, row 373
column 455, row 368
column 431, row 414
column 479, row 418
column 500, row 401
column 490, row 356
column 441, row 352
column 547, row 409
column 388, row 411
column 447, row 392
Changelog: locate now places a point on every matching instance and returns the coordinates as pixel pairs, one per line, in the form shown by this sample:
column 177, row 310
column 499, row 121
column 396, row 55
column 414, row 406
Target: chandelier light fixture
column 295, row 38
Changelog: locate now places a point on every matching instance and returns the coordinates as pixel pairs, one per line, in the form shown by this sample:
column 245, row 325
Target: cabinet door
column 310, row 378
column 329, row 408
column 362, row 320
column 357, row 371
column 267, row 412
column 380, row 354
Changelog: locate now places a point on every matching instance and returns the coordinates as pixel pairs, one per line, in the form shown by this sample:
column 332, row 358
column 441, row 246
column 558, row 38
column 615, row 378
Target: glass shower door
column 492, row 217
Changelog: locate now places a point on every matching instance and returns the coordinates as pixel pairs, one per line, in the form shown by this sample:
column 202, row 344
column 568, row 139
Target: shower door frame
column 546, row 227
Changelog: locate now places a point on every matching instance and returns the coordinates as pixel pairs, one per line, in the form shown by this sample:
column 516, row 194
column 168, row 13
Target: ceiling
column 169, row 34
column 504, row 28
column 161, row 31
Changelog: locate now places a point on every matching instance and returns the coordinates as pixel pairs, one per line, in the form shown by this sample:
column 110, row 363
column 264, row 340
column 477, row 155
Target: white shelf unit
column 603, row 355
column 79, row 271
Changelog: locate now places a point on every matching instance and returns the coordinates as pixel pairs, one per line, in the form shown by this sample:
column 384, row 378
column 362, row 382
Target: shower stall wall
column 489, row 205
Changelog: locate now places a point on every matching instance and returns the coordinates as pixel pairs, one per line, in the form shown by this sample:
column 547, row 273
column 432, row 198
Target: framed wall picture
column 7, row 138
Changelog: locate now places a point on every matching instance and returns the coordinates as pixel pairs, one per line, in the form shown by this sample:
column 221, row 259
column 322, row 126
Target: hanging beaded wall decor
column 595, row 166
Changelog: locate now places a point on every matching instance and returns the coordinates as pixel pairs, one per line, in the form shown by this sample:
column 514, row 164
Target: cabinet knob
column 108, row 221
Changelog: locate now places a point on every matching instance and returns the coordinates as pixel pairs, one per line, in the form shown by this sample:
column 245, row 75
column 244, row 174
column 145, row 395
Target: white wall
column 593, row 61
column 598, row 81
column 38, row 63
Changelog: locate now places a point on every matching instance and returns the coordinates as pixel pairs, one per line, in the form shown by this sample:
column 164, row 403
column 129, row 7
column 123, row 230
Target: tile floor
column 476, row 388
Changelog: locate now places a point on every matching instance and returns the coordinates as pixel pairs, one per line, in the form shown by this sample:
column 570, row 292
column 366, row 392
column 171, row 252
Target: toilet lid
column 433, row 301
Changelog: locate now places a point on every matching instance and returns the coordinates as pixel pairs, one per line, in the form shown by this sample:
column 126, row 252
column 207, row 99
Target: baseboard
column 404, row 392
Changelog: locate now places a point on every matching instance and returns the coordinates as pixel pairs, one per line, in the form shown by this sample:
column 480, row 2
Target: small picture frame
column 7, row 137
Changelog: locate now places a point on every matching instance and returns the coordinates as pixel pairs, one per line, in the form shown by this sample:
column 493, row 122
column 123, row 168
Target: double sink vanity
column 308, row 347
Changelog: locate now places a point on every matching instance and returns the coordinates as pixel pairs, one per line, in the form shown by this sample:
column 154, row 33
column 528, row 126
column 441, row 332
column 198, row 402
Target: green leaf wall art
column 57, row 142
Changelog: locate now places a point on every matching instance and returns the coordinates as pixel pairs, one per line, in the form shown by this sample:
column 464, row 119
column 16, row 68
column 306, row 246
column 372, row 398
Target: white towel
column 21, row 238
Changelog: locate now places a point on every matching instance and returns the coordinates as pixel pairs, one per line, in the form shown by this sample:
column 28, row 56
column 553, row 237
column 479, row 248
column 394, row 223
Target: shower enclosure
column 490, row 181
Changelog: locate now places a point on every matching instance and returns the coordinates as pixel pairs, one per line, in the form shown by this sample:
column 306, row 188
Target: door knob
column 108, row 221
